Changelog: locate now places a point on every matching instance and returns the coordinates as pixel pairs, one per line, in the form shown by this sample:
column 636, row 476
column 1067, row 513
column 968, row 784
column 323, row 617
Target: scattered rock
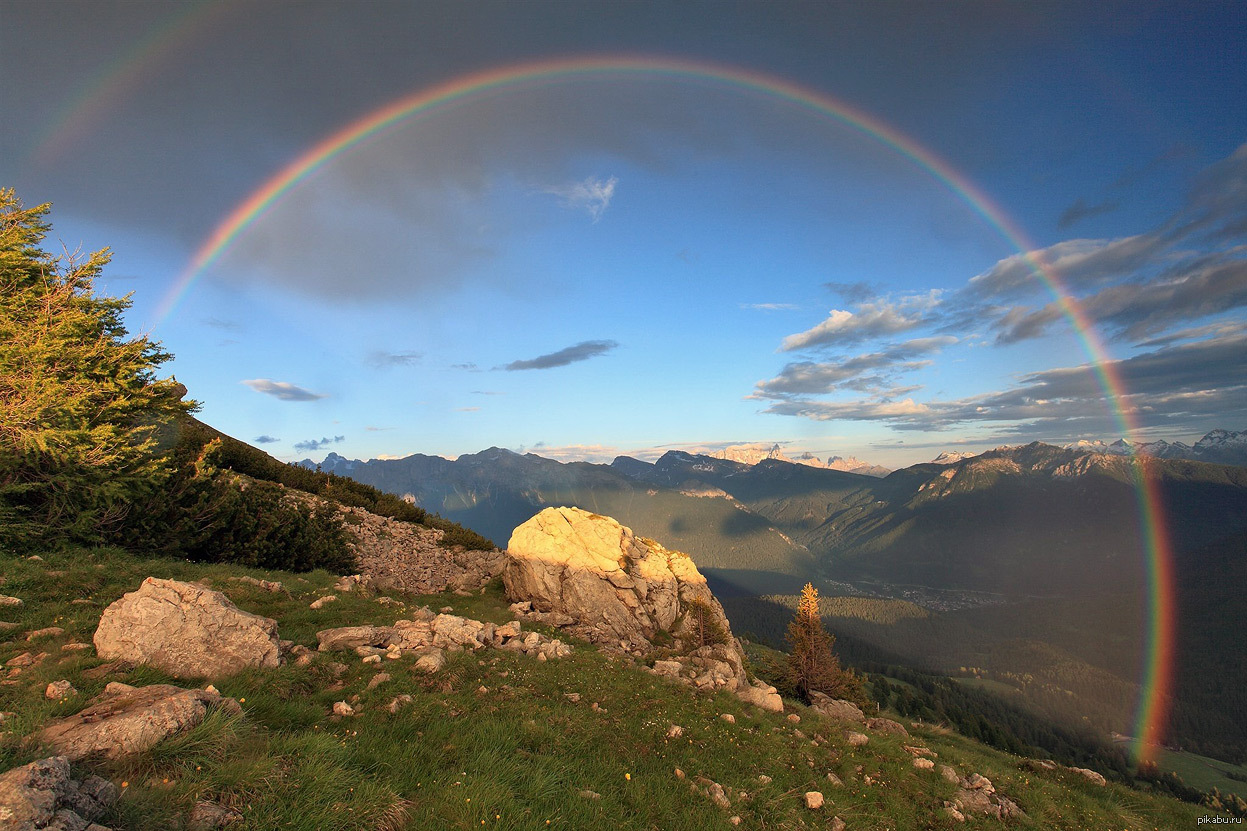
column 977, row 794
column 398, row 702
column 431, row 659
column 836, row 708
column 59, row 690
column 5, row 600
column 764, row 779
column 836, row 824
column 43, row 795
column 813, row 800
column 341, row 708
column 717, row 796
column 586, row 794
column 49, row 632
column 793, row 718
column 728, row 717
column 922, row 763
column 761, row 695
column 675, row 731
column 207, row 816
column 1091, row 776
column 26, row 659
column 886, row 725
column 267, row 585
column 186, row 630
column 735, row 820
column 5, row 626
column 124, row 720
column 949, row 774
column 835, row 780
column 372, row 659
column 74, row 647
column 679, row 774
column 378, row 679
column 856, row 739
column 321, row 602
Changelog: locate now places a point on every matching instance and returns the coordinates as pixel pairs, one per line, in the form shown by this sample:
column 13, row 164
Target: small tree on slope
column 79, row 403
column 811, row 665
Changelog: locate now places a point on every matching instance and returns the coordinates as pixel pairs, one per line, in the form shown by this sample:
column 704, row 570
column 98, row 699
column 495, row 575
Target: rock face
column 621, row 590
column 186, row 630
column 615, row 585
column 43, row 795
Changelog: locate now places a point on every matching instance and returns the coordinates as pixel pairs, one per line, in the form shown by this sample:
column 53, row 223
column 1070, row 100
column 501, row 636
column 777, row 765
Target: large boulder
column 619, row 586
column 125, row 720
column 186, row 630
column 44, row 794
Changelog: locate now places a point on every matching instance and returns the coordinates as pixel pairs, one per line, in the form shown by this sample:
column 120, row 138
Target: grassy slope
column 514, row 757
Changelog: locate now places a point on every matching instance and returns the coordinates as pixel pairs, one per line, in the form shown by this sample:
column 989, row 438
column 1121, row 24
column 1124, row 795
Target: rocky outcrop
column 429, row 635
column 43, row 795
column 124, row 720
column 976, row 794
column 836, row 708
column 619, row 588
column 627, row 592
column 186, row 630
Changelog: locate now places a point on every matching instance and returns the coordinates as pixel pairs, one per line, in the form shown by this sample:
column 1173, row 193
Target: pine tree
column 811, row 665
column 79, row 402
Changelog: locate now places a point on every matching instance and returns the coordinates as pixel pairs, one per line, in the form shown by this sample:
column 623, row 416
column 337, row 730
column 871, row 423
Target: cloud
column 1077, row 263
column 468, row 367
column 871, row 320
column 283, row 390
column 266, row 439
column 770, row 307
column 863, row 373
column 582, row 351
column 592, row 195
column 226, row 325
column 372, row 429
column 858, row 292
column 487, row 392
column 382, row 360
column 316, row 444
column 467, row 409
column 1205, row 287
column 1081, row 210
column 1187, row 388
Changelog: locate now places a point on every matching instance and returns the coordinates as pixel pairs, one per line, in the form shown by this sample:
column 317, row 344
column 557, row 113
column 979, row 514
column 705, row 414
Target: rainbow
column 1159, row 636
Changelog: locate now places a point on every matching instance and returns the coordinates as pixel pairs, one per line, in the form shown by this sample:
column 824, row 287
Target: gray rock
column 43, row 795
column 186, row 630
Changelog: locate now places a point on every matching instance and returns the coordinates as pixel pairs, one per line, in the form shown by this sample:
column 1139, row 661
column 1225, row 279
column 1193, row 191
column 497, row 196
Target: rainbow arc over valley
column 1156, row 682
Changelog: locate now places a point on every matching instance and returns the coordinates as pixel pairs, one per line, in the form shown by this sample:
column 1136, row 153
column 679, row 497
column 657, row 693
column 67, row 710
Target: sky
column 882, row 230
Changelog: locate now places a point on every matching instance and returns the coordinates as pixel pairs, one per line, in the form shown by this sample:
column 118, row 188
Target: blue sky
column 629, row 264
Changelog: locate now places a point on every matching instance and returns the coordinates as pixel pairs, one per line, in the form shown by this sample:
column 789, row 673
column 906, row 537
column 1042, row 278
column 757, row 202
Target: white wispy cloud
column 591, row 194
column 284, row 390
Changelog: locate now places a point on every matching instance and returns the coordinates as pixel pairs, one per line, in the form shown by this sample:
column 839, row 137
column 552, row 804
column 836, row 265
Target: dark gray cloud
column 858, row 292
column 384, row 360
column 1081, row 210
column 316, row 444
column 265, row 439
column 1187, row 388
column 282, row 389
column 1133, row 312
column 864, row 373
column 582, row 351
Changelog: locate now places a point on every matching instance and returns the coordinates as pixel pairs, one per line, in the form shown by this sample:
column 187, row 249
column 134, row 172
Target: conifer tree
column 811, row 665
column 79, row 402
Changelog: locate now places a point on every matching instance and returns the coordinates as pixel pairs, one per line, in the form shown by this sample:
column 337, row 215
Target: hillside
column 495, row 739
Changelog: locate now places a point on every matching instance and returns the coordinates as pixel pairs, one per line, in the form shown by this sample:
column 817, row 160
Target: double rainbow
column 1159, row 635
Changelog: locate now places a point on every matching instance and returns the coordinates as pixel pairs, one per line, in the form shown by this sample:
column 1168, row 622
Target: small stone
column 923, row 763
column 431, row 660
column 5, row 626
column 74, row 647
column 80, row 601
column 212, row 689
column 482, row 690
column 5, row 600
column 398, row 702
column 320, row 602
column 728, row 717
column 572, row 697
column 590, row 794
column 835, row 780
column 856, row 739
column 717, row 796
column 26, row 659
column 49, row 632
column 764, row 779
column 734, row 820
column 446, row 609
column 949, row 774
column 813, row 800
column 679, row 774
column 59, row 690
column 35, row 558
column 675, row 731
column 208, row 816
column 794, row 718
column 372, row 659
column 378, row 679
column 341, row 708
column 837, row 824
column 1091, row 776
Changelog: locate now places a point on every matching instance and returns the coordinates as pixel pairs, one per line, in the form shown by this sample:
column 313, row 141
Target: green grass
column 515, row 756
column 1204, row 773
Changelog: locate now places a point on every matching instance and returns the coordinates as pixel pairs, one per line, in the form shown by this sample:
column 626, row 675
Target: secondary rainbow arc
column 1159, row 636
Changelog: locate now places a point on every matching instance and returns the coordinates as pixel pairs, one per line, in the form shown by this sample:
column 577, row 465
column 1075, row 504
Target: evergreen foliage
column 79, row 401
column 811, row 666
